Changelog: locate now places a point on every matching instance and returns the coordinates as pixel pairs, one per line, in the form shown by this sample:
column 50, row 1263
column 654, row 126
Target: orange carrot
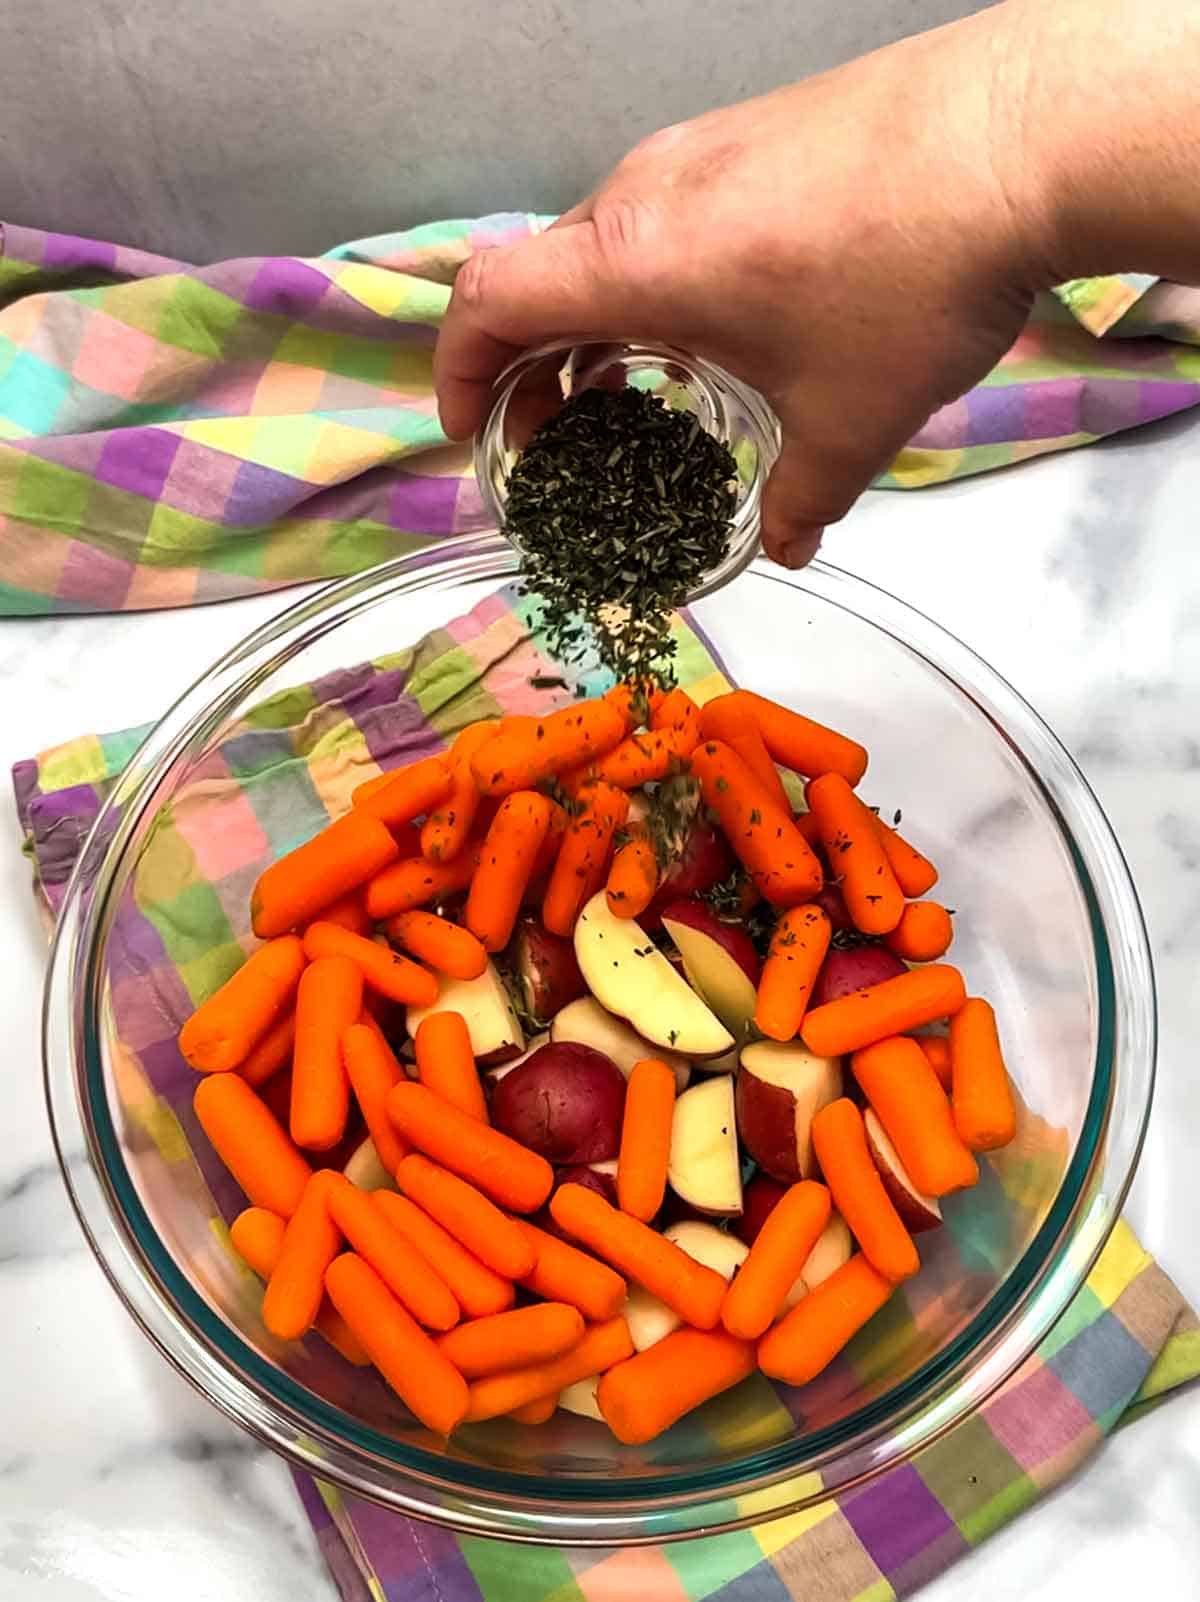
column 392, row 1255
column 325, row 868
column 937, row 1052
column 328, row 1002
column 688, row 1287
column 273, row 1052
column 601, row 1347
column 563, row 1273
column 749, row 745
column 840, row 1142
column 764, row 837
column 852, row 847
column 582, row 859
column 513, row 1340
column 923, row 934
column 223, row 1030
column 900, row 1085
column 911, row 999
column 630, row 701
column 402, row 1352
column 540, row 1411
column 446, row 830
column 257, row 1237
column 468, row 1215
column 509, row 1173
column 477, row 1290
column 645, row 1395
column 646, row 758
column 442, row 944
column 506, row 863
column 633, row 876
column 446, row 1063
column 349, row 912
column 297, row 1282
column 806, row 747
column 794, row 959
column 411, row 791
column 369, row 787
column 383, row 969
column 373, row 1071
column 780, row 1250
column 915, row 874
column 809, row 1338
column 415, row 883
column 251, row 1144
column 730, row 718
column 985, row 1113
column 645, row 1139
column 519, row 759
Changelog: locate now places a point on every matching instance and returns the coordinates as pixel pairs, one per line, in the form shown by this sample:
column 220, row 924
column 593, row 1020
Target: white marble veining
column 1076, row 577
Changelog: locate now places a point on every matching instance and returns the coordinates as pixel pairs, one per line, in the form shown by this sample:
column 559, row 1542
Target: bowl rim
column 502, row 1503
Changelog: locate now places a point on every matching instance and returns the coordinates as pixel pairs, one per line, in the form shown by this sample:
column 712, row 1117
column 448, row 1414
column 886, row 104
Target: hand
column 859, row 247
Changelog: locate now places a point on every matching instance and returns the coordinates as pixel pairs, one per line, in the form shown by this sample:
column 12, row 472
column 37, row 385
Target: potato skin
column 856, row 968
column 565, row 1102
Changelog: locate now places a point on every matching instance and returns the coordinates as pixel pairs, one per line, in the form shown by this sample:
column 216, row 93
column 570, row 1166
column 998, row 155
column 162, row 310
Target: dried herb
column 620, row 506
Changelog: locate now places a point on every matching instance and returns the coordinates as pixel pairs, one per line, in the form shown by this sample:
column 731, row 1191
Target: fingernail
column 800, row 550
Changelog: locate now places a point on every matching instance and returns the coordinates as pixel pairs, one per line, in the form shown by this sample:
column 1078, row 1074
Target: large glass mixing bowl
column 1048, row 928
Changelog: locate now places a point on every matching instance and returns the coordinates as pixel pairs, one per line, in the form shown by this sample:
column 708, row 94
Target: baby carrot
column 923, row 934
column 805, row 746
column 343, row 856
column 855, row 853
column 273, row 1052
column 444, row 832
column 915, row 874
column 328, row 1002
column 257, row 1237
column 937, row 1052
column 840, row 1142
column 297, row 1282
column 348, row 912
column 688, row 1287
column 676, row 710
column 780, row 1250
column 442, row 944
column 809, row 1338
column 794, row 959
column 731, row 718
column 540, row 1411
column 509, row 1173
column 415, row 883
column 985, row 1113
column 466, row 1213
column 392, row 1255
column 402, row 1352
column 519, row 759
column 900, row 1085
column 601, row 1347
column 223, row 1030
column 383, row 969
column 748, row 745
column 761, row 834
column 633, row 876
column 652, row 1390
column 373, row 1070
column 582, row 859
column 563, row 1273
column 506, row 863
column 512, row 1340
column 446, row 1063
column 645, row 1139
column 476, row 1289
column 911, row 999
column 645, row 758
column 251, row 1144
column 409, row 793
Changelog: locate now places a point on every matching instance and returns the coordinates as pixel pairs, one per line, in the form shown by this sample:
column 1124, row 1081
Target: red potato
column 591, row 1178
column 565, row 1102
column 546, row 969
column 781, row 1086
column 856, row 968
column 704, row 861
column 833, row 904
column 917, row 1212
column 719, row 961
column 759, row 1200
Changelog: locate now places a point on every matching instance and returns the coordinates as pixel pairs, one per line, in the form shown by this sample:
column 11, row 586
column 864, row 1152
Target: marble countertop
column 1077, row 578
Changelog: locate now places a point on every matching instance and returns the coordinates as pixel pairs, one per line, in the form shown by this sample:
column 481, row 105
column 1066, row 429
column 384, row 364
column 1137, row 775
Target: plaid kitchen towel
column 271, row 781
column 172, row 434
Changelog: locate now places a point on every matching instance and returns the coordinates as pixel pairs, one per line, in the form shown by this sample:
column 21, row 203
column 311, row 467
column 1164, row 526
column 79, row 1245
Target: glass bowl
column 540, row 381
column 1049, row 929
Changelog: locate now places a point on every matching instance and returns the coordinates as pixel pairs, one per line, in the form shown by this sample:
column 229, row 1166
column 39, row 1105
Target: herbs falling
column 620, row 506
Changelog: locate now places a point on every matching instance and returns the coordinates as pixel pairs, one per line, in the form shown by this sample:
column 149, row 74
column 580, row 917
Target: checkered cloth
column 272, row 780
column 172, row 434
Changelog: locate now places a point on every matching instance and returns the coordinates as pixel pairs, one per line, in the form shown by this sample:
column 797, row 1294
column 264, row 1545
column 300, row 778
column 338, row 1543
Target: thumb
column 557, row 284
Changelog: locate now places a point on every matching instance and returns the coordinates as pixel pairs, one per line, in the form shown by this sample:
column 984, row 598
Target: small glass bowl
column 540, row 381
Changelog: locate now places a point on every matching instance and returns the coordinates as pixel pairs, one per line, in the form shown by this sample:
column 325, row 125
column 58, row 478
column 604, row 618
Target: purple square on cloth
column 261, row 495
column 1052, row 409
column 423, row 504
column 996, row 415
column 67, row 253
column 286, row 287
column 897, row 1518
column 138, row 460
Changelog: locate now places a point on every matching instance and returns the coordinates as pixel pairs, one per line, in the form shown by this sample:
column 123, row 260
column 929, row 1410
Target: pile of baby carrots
column 468, row 1309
